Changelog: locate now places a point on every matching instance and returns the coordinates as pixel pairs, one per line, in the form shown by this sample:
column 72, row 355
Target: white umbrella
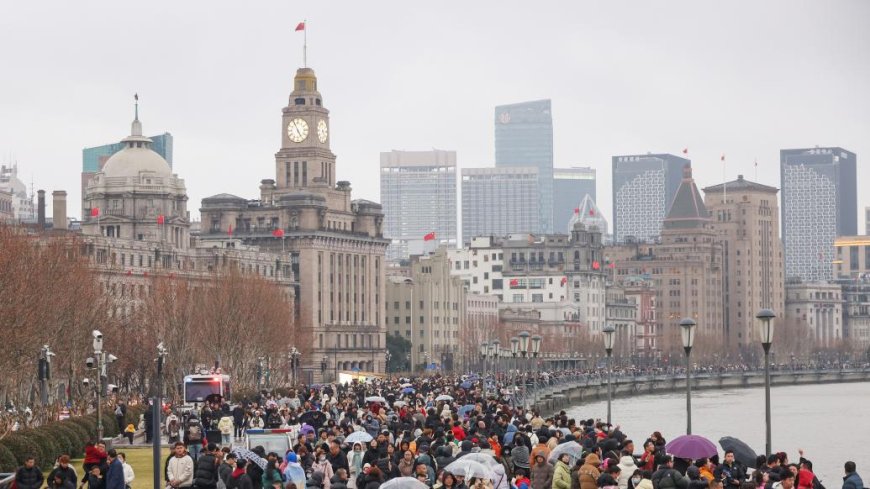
column 483, row 458
column 399, row 404
column 404, row 483
column 407, row 385
column 470, row 468
column 378, row 399
column 444, row 397
column 572, row 448
column 251, row 456
column 358, row 437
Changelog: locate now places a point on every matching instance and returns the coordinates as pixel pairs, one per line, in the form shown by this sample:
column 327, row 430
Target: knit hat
column 291, row 457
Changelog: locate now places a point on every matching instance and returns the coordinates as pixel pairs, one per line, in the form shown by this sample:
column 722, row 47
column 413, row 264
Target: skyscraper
column 524, row 137
column 570, row 186
column 819, row 203
column 644, row 187
column 418, row 192
column 499, row 201
column 94, row 158
column 745, row 216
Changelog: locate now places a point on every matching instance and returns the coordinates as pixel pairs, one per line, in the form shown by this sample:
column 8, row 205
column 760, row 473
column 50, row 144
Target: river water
column 830, row 422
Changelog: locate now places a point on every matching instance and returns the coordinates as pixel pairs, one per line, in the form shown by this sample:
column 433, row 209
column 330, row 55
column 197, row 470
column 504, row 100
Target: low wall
column 555, row 398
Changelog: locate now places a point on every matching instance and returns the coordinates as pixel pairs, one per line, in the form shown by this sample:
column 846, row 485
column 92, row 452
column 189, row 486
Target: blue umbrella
column 464, row 410
column 408, row 390
column 466, row 385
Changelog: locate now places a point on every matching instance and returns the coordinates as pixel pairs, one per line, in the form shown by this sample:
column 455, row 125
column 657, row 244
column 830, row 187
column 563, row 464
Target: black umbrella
column 314, row 418
column 742, row 452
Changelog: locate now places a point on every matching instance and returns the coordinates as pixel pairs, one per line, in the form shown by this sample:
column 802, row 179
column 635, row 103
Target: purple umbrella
column 692, row 447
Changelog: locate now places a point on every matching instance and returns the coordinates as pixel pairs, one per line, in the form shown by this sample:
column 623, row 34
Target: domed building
column 136, row 196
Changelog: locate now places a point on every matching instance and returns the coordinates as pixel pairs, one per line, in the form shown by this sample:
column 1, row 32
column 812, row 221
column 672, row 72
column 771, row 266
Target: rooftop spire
column 137, row 126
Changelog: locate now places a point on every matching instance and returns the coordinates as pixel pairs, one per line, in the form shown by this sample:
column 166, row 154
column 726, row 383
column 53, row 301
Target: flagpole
column 756, row 169
column 305, row 43
column 724, row 182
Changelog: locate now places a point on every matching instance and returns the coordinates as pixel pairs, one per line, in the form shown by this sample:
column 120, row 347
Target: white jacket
column 181, row 469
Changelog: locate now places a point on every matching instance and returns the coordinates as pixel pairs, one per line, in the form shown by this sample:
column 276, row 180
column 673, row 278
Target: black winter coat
column 205, row 472
column 28, row 478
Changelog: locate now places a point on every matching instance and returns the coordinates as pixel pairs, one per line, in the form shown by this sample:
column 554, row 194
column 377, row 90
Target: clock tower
column 304, row 160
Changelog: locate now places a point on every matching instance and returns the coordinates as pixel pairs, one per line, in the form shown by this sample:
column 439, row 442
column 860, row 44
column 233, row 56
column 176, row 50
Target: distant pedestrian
column 28, row 476
column 852, row 480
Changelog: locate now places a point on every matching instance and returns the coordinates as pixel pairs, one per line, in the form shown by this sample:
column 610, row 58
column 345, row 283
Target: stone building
column 814, row 311
column 745, row 218
column 7, row 212
column 621, row 311
column 685, row 268
column 335, row 244
column 428, row 308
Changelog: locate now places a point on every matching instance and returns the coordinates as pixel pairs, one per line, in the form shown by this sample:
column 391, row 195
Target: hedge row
column 52, row 440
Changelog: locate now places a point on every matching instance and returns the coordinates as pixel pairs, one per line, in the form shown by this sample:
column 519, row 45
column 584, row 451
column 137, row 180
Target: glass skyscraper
column 819, row 203
column 418, row 194
column 499, row 201
column 524, row 138
column 570, row 185
column 643, row 188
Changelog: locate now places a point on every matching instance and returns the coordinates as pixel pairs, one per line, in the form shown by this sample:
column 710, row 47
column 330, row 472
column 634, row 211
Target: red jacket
column 94, row 455
column 805, row 479
column 458, row 432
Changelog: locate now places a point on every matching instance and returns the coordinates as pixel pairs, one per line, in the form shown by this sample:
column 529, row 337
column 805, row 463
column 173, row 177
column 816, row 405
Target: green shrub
column 75, row 440
column 88, row 424
column 48, row 449
column 7, row 459
column 21, row 446
column 62, row 442
column 83, row 435
column 110, row 425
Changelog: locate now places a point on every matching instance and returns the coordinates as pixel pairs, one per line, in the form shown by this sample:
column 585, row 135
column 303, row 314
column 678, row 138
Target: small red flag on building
column 161, row 219
column 95, row 211
column 596, row 265
column 576, row 210
column 685, row 151
column 230, row 230
column 429, row 237
column 612, row 265
column 514, row 282
column 300, row 26
column 591, row 212
column 278, row 233
column 564, row 280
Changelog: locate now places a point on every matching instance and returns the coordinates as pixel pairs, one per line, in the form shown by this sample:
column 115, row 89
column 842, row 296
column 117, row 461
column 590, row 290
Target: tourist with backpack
column 193, row 436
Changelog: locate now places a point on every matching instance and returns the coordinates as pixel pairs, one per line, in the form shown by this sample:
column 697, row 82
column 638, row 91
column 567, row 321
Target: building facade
column 622, row 313
column 418, row 193
column 428, row 309
column 856, row 313
column 814, row 312
column 93, row 159
column 7, row 211
column 499, row 201
column 819, row 203
column 23, row 209
column 851, row 257
column 524, row 138
column 686, row 270
column 643, row 190
column 745, row 217
column 570, row 187
column 335, row 244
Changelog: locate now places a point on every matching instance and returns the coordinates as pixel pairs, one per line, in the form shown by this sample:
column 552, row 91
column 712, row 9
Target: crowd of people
column 430, row 432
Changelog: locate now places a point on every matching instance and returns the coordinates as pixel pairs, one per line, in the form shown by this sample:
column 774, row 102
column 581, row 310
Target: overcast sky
column 744, row 78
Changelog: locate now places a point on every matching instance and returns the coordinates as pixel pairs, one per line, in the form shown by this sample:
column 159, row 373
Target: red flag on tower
column 514, row 282
column 161, row 219
column 685, row 151
column 95, row 211
column 576, row 210
column 596, row 265
column 278, row 233
column 300, row 26
column 429, row 237
column 592, row 212
column 230, row 230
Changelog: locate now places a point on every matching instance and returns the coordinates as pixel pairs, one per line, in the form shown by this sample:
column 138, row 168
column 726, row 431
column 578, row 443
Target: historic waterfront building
column 745, row 217
column 336, row 245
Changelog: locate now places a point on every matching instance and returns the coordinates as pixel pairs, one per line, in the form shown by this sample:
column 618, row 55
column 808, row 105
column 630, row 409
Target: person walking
column 225, row 425
column 852, row 480
column 193, row 436
column 562, row 473
column 115, row 474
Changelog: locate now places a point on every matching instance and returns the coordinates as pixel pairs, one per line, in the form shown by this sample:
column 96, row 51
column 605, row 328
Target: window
column 537, row 297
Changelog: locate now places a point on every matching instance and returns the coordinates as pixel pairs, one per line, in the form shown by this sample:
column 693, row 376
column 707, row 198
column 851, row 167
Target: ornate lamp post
column 324, row 362
column 387, row 357
column 515, row 348
column 494, row 351
column 536, row 350
column 766, row 316
column 687, row 331
column 609, row 337
column 294, row 362
column 484, row 349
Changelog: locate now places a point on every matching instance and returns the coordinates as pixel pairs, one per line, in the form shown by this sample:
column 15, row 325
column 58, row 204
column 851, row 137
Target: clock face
column 297, row 130
column 322, row 130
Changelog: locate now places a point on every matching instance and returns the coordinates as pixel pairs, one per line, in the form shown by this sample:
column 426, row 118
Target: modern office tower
column 819, row 203
column 94, row 158
column 524, row 138
column 570, row 186
column 643, row 189
column 499, row 201
column 418, row 192
column 745, row 217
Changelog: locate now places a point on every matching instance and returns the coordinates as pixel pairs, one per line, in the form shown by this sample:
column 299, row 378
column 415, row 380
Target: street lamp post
column 259, row 374
column 515, row 348
column 524, row 353
column 494, row 351
column 687, row 331
column 98, row 362
column 387, row 357
column 766, row 316
column 294, row 363
column 44, row 373
column 155, row 412
column 609, row 337
column 536, row 350
column 324, row 362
